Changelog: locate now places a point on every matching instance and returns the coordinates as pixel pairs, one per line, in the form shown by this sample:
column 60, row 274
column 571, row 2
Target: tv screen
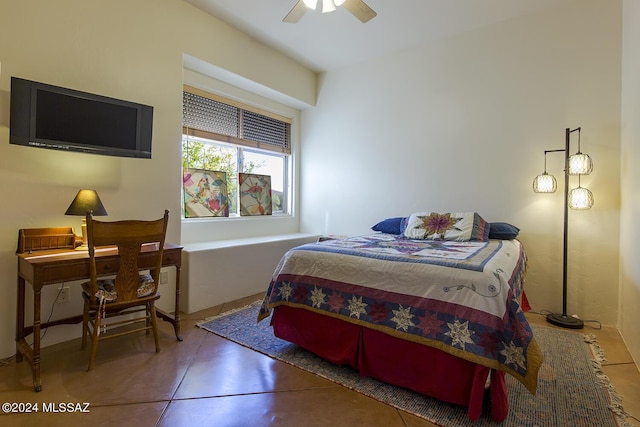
column 58, row 118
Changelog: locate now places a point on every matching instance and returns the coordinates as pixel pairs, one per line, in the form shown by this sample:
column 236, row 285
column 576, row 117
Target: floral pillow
column 106, row 290
column 146, row 286
column 461, row 227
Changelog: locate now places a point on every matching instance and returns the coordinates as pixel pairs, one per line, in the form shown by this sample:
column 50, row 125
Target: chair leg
column 148, row 321
column 85, row 324
column 154, row 327
column 94, row 340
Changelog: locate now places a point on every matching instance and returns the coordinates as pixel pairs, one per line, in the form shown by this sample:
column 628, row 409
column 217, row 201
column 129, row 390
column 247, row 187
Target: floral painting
column 205, row 193
column 255, row 194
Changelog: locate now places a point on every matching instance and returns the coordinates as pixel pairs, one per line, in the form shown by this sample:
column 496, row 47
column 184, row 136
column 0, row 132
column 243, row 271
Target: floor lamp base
column 565, row 321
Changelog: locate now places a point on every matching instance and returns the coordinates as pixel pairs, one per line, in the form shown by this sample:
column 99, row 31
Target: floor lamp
column 578, row 198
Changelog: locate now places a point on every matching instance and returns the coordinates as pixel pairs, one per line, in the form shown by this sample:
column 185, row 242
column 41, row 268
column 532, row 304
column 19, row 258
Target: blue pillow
column 389, row 226
column 503, row 231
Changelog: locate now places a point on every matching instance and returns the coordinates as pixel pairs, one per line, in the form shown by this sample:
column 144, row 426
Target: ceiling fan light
column 311, row 4
column 328, row 6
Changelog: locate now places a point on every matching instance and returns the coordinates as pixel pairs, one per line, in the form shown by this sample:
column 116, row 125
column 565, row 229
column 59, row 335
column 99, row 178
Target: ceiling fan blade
column 296, row 13
column 360, row 10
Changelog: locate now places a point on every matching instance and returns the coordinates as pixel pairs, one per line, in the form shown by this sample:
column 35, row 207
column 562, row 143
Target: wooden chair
column 130, row 291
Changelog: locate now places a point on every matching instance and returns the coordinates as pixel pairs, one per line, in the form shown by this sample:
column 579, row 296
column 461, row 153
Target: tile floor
column 208, row 381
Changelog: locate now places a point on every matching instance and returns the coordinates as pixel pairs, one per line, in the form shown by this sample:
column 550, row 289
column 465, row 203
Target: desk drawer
column 145, row 261
column 106, row 267
column 79, row 270
column 64, row 271
column 172, row 257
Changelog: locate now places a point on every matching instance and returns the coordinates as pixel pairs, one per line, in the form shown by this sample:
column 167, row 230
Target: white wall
column 124, row 49
column 630, row 178
column 462, row 125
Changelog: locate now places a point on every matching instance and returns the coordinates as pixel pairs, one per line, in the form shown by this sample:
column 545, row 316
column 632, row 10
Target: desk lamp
column 86, row 201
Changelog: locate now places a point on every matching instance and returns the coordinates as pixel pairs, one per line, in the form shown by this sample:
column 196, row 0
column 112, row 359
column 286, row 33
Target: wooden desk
column 48, row 267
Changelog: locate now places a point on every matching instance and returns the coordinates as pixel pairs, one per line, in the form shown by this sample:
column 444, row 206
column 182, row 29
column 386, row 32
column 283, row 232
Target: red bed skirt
column 395, row 361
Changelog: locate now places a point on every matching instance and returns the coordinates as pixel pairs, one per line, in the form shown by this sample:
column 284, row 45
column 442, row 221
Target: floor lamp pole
column 564, row 320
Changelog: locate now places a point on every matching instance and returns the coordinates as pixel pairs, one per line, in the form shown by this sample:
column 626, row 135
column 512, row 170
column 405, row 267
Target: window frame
column 240, row 145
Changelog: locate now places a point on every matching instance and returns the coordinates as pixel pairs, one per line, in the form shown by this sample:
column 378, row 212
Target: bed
column 436, row 312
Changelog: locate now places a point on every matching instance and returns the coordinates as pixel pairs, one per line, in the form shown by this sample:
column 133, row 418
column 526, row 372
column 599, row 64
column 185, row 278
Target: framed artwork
column 255, row 194
column 205, row 193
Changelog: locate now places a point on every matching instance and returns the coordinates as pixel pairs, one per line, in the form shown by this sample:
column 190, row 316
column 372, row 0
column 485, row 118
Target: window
column 226, row 136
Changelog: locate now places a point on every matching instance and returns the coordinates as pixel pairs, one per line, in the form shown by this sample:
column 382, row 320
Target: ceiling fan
column 358, row 8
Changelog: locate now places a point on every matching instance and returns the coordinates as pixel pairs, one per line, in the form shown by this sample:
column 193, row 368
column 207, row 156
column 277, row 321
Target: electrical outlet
column 63, row 295
column 164, row 277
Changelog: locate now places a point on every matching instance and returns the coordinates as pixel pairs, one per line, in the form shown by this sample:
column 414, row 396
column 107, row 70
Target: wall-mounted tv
column 58, row 118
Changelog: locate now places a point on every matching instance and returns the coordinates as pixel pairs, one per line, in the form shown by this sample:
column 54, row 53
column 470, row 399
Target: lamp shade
column 86, row 201
column 580, row 164
column 545, row 183
column 580, row 198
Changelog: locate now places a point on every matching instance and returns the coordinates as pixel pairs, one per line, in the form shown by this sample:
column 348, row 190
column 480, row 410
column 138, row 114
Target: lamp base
column 565, row 321
column 84, row 246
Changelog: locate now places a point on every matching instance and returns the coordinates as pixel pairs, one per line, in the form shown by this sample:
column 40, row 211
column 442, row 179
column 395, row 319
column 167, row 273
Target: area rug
column 572, row 389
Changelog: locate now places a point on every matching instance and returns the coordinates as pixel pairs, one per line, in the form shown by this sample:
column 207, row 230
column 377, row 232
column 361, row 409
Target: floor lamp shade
column 545, row 183
column 580, row 164
column 580, row 198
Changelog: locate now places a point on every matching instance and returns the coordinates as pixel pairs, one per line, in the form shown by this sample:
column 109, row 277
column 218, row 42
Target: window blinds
column 209, row 116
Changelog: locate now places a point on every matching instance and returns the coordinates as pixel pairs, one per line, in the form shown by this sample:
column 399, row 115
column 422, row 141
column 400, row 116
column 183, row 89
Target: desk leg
column 35, row 361
column 22, row 348
column 174, row 318
column 20, row 318
column 176, row 313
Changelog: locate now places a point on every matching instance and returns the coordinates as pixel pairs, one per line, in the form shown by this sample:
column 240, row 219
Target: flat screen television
column 58, row 118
